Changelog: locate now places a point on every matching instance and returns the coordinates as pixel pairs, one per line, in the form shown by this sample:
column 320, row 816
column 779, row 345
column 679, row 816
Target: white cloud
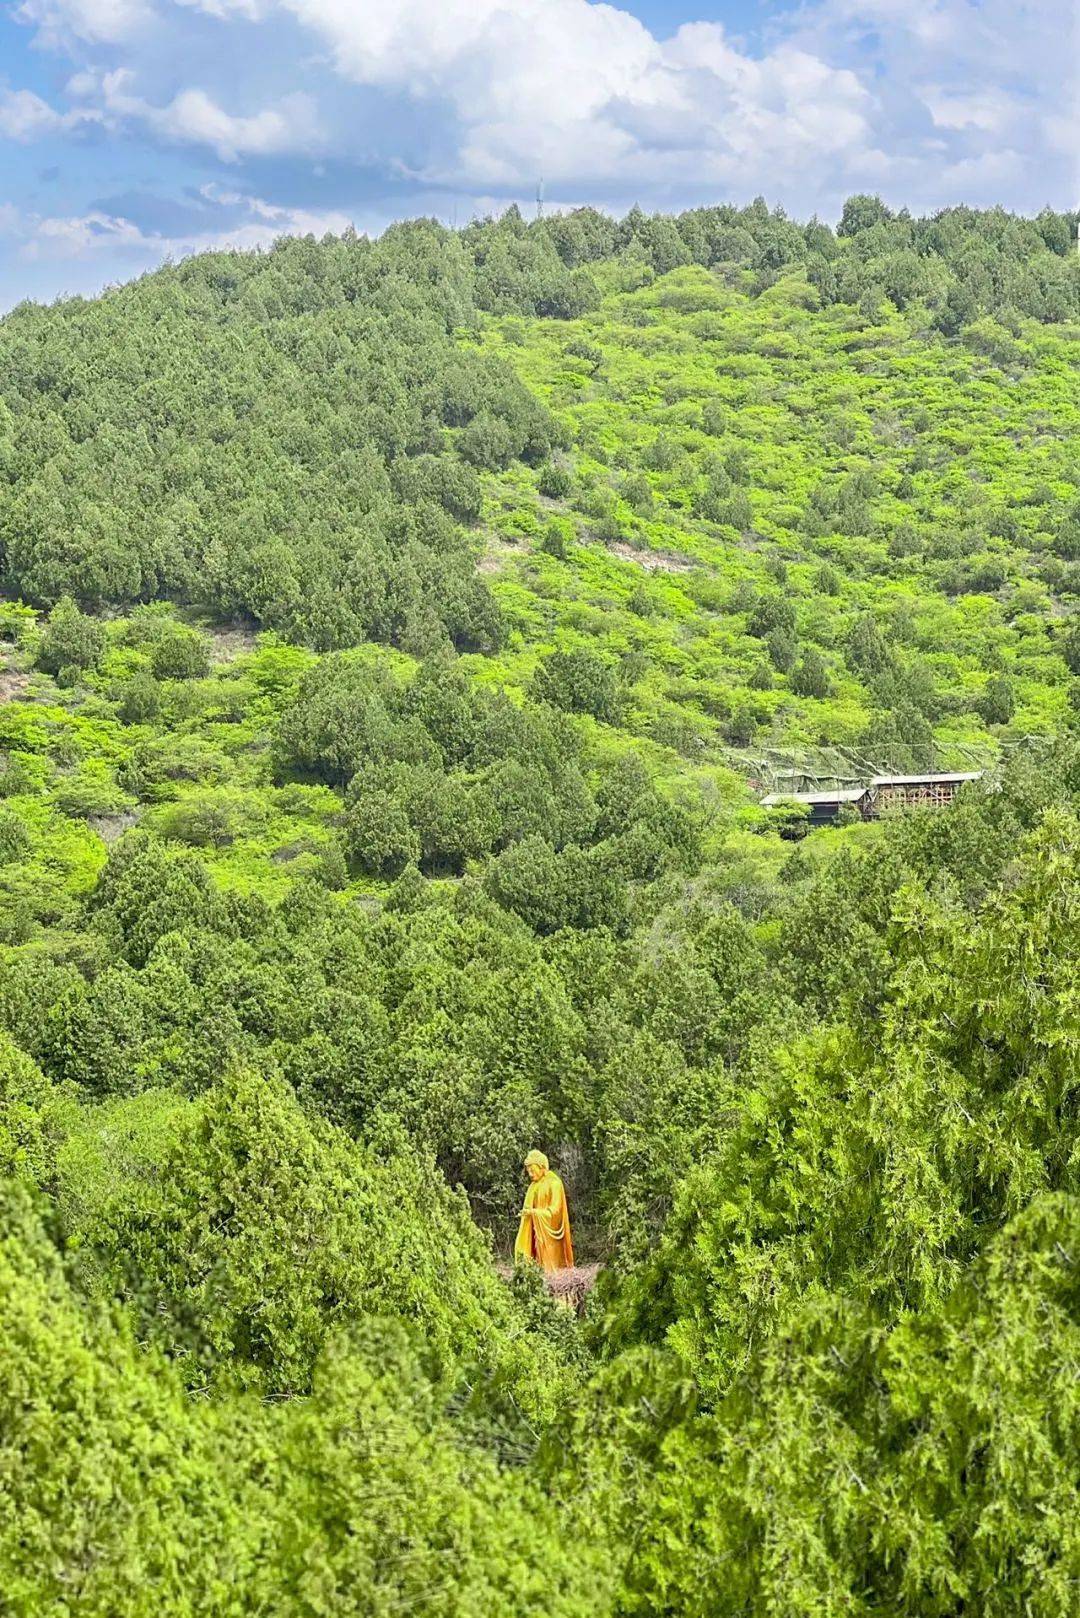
column 580, row 92
column 914, row 97
column 250, row 10
column 999, row 79
column 983, row 177
column 194, row 117
column 75, row 237
column 61, row 22
column 979, row 109
column 1061, row 127
column 585, row 93
column 93, row 234
column 24, row 116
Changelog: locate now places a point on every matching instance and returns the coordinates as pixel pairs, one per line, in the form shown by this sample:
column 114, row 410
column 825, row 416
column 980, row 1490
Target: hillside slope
column 808, row 526
column 394, row 638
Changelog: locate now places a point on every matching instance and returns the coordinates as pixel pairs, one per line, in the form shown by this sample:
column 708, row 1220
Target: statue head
column 536, row 1165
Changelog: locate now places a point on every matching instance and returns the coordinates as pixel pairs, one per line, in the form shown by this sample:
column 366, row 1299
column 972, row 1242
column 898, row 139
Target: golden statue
column 544, row 1234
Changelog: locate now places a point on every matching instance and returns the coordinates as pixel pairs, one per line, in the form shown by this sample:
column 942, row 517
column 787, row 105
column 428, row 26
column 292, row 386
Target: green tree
column 71, row 640
column 378, row 836
column 810, row 677
column 180, row 654
column 580, row 681
column 998, row 702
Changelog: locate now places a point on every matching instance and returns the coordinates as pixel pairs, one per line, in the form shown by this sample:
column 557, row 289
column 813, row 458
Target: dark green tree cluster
column 438, row 773
column 829, row 1130
column 965, row 263
column 871, row 1277
column 292, row 437
column 121, row 1491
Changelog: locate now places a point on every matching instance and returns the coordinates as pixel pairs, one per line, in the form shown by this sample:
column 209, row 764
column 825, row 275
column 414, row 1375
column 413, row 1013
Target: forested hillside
column 396, row 639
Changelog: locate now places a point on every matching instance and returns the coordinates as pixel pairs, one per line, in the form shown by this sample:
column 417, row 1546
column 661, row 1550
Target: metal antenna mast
column 540, row 199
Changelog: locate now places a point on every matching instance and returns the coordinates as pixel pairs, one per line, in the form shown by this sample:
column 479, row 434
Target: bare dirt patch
column 653, row 561
column 497, row 554
column 570, row 1287
column 110, row 828
column 13, row 684
column 228, row 644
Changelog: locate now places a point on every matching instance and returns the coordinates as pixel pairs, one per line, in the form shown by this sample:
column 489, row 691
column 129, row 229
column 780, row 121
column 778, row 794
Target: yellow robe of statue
column 544, row 1233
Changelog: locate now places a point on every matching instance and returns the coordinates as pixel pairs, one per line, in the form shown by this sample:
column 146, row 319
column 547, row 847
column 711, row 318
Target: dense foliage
column 295, row 437
column 820, row 532
column 400, row 627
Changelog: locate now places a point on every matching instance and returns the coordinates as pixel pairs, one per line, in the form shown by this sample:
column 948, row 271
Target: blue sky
column 135, row 130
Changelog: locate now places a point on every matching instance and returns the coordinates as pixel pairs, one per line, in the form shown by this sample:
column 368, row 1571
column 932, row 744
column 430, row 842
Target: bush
column 580, row 681
column 789, row 819
column 745, row 720
column 15, row 779
column 378, row 836
column 997, row 705
column 769, row 613
column 15, row 840
column 141, row 701
column 84, row 799
column 487, row 442
column 202, row 823
column 72, row 642
column 810, row 678
column 180, row 654
column 528, row 879
column 1070, row 646
column 783, row 650
column 554, row 482
column 558, row 533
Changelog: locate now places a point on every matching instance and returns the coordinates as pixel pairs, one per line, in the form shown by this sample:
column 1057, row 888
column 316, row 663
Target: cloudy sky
column 131, row 130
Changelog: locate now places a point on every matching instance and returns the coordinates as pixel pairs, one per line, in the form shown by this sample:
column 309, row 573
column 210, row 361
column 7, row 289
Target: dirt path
column 571, row 1287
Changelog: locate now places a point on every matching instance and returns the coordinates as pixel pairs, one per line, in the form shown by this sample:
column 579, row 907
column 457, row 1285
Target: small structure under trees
column 888, row 792
column 823, row 807
column 884, row 794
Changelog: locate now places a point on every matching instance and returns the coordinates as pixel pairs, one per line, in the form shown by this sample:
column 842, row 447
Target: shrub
column 141, row 700
column 180, row 654
column 998, row 702
column 15, row 840
column 580, row 681
column 72, row 642
column 810, row 677
column 378, row 836
column 554, row 482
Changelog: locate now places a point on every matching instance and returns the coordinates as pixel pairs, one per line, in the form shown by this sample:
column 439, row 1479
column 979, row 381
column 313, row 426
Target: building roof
column 856, row 794
column 841, row 795
column 925, row 780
